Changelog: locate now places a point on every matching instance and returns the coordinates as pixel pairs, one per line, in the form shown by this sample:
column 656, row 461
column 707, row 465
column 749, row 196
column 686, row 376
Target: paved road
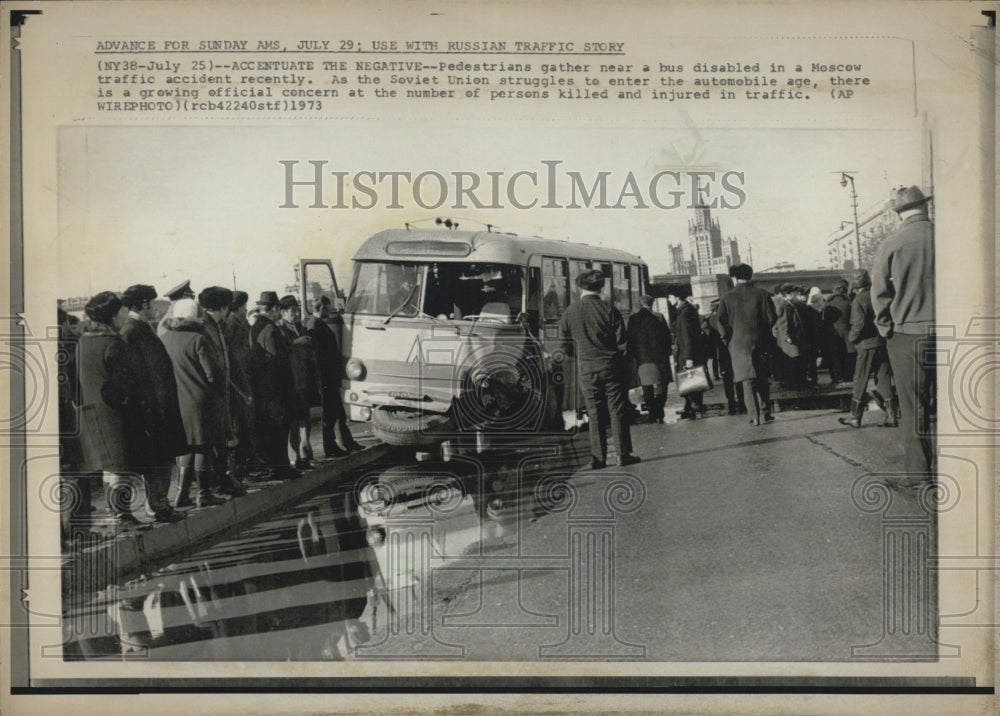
column 727, row 542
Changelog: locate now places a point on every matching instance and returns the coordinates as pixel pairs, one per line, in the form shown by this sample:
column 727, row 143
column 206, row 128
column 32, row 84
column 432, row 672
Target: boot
column 185, row 477
column 857, row 408
column 205, row 497
column 891, row 414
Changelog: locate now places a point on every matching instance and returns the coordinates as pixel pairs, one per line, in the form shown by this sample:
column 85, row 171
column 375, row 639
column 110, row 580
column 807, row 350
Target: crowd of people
column 876, row 327
column 187, row 410
column 218, row 395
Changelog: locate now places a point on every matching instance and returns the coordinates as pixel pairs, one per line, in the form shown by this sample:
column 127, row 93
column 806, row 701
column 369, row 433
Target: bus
column 450, row 331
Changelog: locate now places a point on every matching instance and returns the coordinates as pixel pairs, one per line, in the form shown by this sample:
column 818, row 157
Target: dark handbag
column 693, row 380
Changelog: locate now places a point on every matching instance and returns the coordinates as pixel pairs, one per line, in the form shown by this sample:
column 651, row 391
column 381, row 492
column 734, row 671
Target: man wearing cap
column 154, row 430
column 649, row 342
column 236, row 330
column 305, row 379
column 903, row 301
column 273, row 385
column 872, row 358
column 215, row 302
column 103, row 375
column 594, row 331
column 327, row 348
column 181, row 290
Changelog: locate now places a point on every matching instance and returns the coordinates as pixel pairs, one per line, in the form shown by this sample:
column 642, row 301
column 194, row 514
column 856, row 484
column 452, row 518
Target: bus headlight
column 355, row 369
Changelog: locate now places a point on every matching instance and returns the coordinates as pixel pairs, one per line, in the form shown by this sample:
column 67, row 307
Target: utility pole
column 844, row 178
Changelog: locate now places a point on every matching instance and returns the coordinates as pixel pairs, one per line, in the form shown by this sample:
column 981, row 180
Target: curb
column 116, row 560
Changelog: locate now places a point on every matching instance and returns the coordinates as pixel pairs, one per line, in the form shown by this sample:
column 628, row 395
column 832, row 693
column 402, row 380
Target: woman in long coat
column 103, row 376
column 746, row 315
column 202, row 395
column 690, row 351
column 649, row 343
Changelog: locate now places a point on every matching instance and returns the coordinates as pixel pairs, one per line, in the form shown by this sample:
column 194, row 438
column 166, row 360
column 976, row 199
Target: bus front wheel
column 406, row 427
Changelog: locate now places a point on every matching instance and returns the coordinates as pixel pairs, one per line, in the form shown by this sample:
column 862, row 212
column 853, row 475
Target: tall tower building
column 710, row 254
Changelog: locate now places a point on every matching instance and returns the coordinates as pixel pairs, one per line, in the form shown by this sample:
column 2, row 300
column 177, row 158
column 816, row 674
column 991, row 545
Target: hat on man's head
column 861, row 280
column 592, row 280
column 135, row 296
column 181, row 290
column 288, row 301
column 240, row 298
column 103, row 307
column 186, row 309
column 319, row 302
column 840, row 286
column 268, row 298
column 905, row 198
column 215, row 298
column 646, row 300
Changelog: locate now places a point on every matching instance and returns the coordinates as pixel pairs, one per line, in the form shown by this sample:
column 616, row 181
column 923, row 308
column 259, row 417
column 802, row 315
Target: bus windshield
column 442, row 290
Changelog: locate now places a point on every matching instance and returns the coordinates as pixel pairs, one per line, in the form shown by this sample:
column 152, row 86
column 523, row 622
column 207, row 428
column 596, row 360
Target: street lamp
column 844, row 178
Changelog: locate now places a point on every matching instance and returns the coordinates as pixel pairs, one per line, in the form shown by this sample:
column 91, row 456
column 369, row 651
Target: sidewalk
column 108, row 557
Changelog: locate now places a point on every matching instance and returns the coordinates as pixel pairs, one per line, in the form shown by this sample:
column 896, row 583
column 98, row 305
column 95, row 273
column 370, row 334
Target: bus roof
column 448, row 245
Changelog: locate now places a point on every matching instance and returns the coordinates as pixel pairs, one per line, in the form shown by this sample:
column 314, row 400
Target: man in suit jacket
column 746, row 316
column 154, row 432
column 872, row 358
column 594, row 331
column 649, row 343
column 903, row 300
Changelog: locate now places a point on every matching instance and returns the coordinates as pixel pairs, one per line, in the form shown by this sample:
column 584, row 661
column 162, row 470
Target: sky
column 159, row 205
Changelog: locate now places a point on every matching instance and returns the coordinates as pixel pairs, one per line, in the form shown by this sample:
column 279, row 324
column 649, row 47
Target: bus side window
column 636, row 285
column 575, row 269
column 605, row 268
column 555, row 278
column 622, row 297
column 534, row 294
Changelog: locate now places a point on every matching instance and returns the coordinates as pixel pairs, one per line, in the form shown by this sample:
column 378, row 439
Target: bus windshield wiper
column 403, row 305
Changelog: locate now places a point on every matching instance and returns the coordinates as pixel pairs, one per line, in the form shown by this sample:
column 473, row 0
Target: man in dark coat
column 811, row 334
column 272, row 360
column 103, row 375
column 153, row 426
column 330, row 362
column 872, row 358
column 649, row 342
column 789, row 332
column 305, row 380
column 903, row 301
column 236, row 330
column 593, row 330
column 837, row 315
column 746, row 316
column 735, row 395
column 200, row 371
column 689, row 351
column 215, row 302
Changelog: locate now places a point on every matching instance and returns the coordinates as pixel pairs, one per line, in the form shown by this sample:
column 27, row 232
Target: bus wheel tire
column 408, row 427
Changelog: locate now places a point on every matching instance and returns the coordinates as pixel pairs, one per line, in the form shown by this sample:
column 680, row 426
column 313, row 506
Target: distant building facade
column 709, row 252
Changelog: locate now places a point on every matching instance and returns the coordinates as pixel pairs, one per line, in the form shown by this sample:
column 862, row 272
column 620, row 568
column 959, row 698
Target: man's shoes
column 354, row 446
column 625, row 460
column 335, row 451
column 687, row 415
column 303, row 464
column 167, row 515
column 596, row 464
column 208, row 500
column 232, row 488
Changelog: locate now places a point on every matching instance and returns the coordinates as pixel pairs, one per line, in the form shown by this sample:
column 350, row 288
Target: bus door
column 316, row 279
column 556, row 291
